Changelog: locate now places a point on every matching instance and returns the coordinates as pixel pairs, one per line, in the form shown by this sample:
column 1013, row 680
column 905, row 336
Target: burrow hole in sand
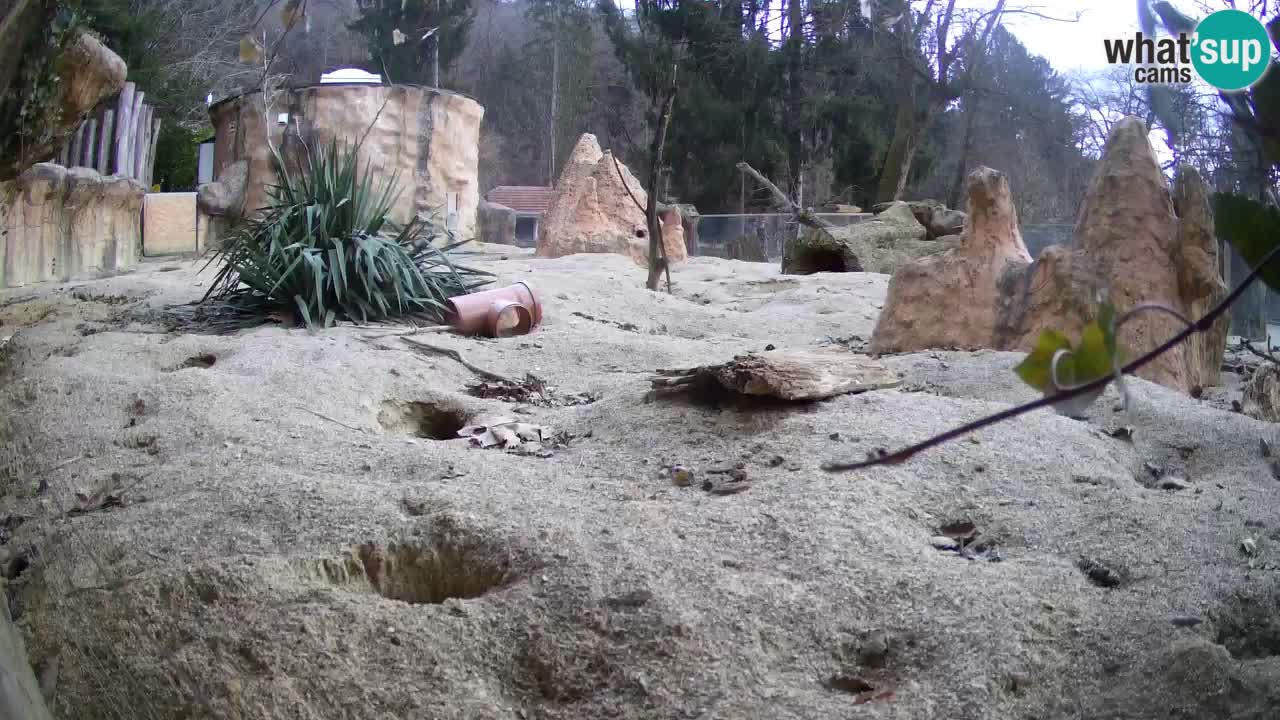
column 434, row 421
column 1250, row 626
column 426, row 573
column 199, row 361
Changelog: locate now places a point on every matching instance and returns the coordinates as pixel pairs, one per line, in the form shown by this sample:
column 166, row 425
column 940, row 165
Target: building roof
column 524, row 199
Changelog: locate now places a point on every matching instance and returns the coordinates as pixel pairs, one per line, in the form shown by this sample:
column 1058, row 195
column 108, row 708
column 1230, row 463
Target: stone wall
column 58, row 224
column 427, row 138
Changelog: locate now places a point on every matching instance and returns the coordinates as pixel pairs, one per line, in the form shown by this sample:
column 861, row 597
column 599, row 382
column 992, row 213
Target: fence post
column 90, row 137
column 151, row 151
column 77, row 146
column 122, row 129
column 104, row 142
column 142, row 136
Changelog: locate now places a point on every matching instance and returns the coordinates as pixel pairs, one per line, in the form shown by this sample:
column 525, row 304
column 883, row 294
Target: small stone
column 1249, row 547
column 681, row 475
column 834, row 436
column 776, row 461
column 942, row 542
column 1123, row 432
column 1264, row 447
column 1173, row 483
column 1185, row 620
column 1155, row 470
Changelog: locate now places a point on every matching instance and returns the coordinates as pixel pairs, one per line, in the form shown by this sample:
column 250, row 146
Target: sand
column 289, row 546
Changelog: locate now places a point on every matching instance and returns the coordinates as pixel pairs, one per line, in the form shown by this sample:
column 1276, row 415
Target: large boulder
column 879, row 245
column 90, row 73
column 1136, row 241
column 597, row 209
column 497, row 223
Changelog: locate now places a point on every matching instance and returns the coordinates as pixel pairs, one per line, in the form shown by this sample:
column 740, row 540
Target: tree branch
column 803, row 216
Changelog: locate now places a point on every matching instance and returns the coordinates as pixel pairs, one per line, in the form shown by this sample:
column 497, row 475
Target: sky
column 1073, row 45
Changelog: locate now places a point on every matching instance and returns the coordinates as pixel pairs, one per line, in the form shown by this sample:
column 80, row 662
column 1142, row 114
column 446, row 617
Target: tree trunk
column 966, row 148
column 555, row 96
column 657, row 249
column 793, row 119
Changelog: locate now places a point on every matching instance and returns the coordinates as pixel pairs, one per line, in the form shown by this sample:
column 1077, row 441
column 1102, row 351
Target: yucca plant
column 324, row 250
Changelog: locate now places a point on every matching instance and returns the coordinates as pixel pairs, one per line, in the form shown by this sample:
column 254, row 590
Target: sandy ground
column 288, row 546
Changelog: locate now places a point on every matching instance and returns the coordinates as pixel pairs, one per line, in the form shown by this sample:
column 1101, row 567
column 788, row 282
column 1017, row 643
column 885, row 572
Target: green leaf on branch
column 1096, row 356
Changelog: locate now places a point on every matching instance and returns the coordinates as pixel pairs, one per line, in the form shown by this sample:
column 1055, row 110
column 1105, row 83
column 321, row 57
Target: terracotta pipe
column 501, row 312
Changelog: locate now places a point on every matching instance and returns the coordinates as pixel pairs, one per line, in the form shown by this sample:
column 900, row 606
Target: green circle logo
column 1232, row 49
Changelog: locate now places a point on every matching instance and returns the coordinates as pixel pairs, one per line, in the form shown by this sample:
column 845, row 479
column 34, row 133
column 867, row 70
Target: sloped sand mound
column 295, row 542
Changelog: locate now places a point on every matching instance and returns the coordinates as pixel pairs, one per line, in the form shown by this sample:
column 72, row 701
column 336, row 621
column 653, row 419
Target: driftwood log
column 792, row 375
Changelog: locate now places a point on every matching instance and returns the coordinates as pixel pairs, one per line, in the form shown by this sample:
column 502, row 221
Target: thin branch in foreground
column 1202, row 325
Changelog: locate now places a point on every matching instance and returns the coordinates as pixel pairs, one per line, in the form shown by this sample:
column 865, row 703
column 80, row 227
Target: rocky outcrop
column 225, row 196
column 90, row 73
column 427, row 138
column 59, row 224
column 497, row 223
column 1135, row 242
column 881, row 245
column 937, row 220
column 596, row 209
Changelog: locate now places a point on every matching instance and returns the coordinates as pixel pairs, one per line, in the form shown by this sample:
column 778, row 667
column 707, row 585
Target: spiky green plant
column 324, row 250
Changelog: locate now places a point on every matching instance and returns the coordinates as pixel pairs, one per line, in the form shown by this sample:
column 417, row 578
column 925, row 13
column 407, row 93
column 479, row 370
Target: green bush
column 324, row 250
column 177, row 156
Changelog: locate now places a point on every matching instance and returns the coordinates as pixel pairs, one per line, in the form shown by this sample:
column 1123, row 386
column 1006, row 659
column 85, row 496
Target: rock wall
column 1137, row 241
column 427, row 138
column 596, row 209
column 59, row 224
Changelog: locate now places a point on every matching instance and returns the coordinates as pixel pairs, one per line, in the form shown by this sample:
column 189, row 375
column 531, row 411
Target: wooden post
column 77, row 145
column 106, row 142
column 151, row 151
column 123, row 109
column 142, row 136
column 90, row 137
column 64, row 154
column 135, row 116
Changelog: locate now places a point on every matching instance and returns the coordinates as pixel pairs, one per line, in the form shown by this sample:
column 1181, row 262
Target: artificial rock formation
column 497, row 223
column 948, row 300
column 426, row 138
column 597, row 209
column 1135, row 242
column 880, row 245
column 59, row 224
column 90, row 73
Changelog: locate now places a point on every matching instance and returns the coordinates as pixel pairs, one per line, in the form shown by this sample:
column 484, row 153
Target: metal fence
column 759, row 237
